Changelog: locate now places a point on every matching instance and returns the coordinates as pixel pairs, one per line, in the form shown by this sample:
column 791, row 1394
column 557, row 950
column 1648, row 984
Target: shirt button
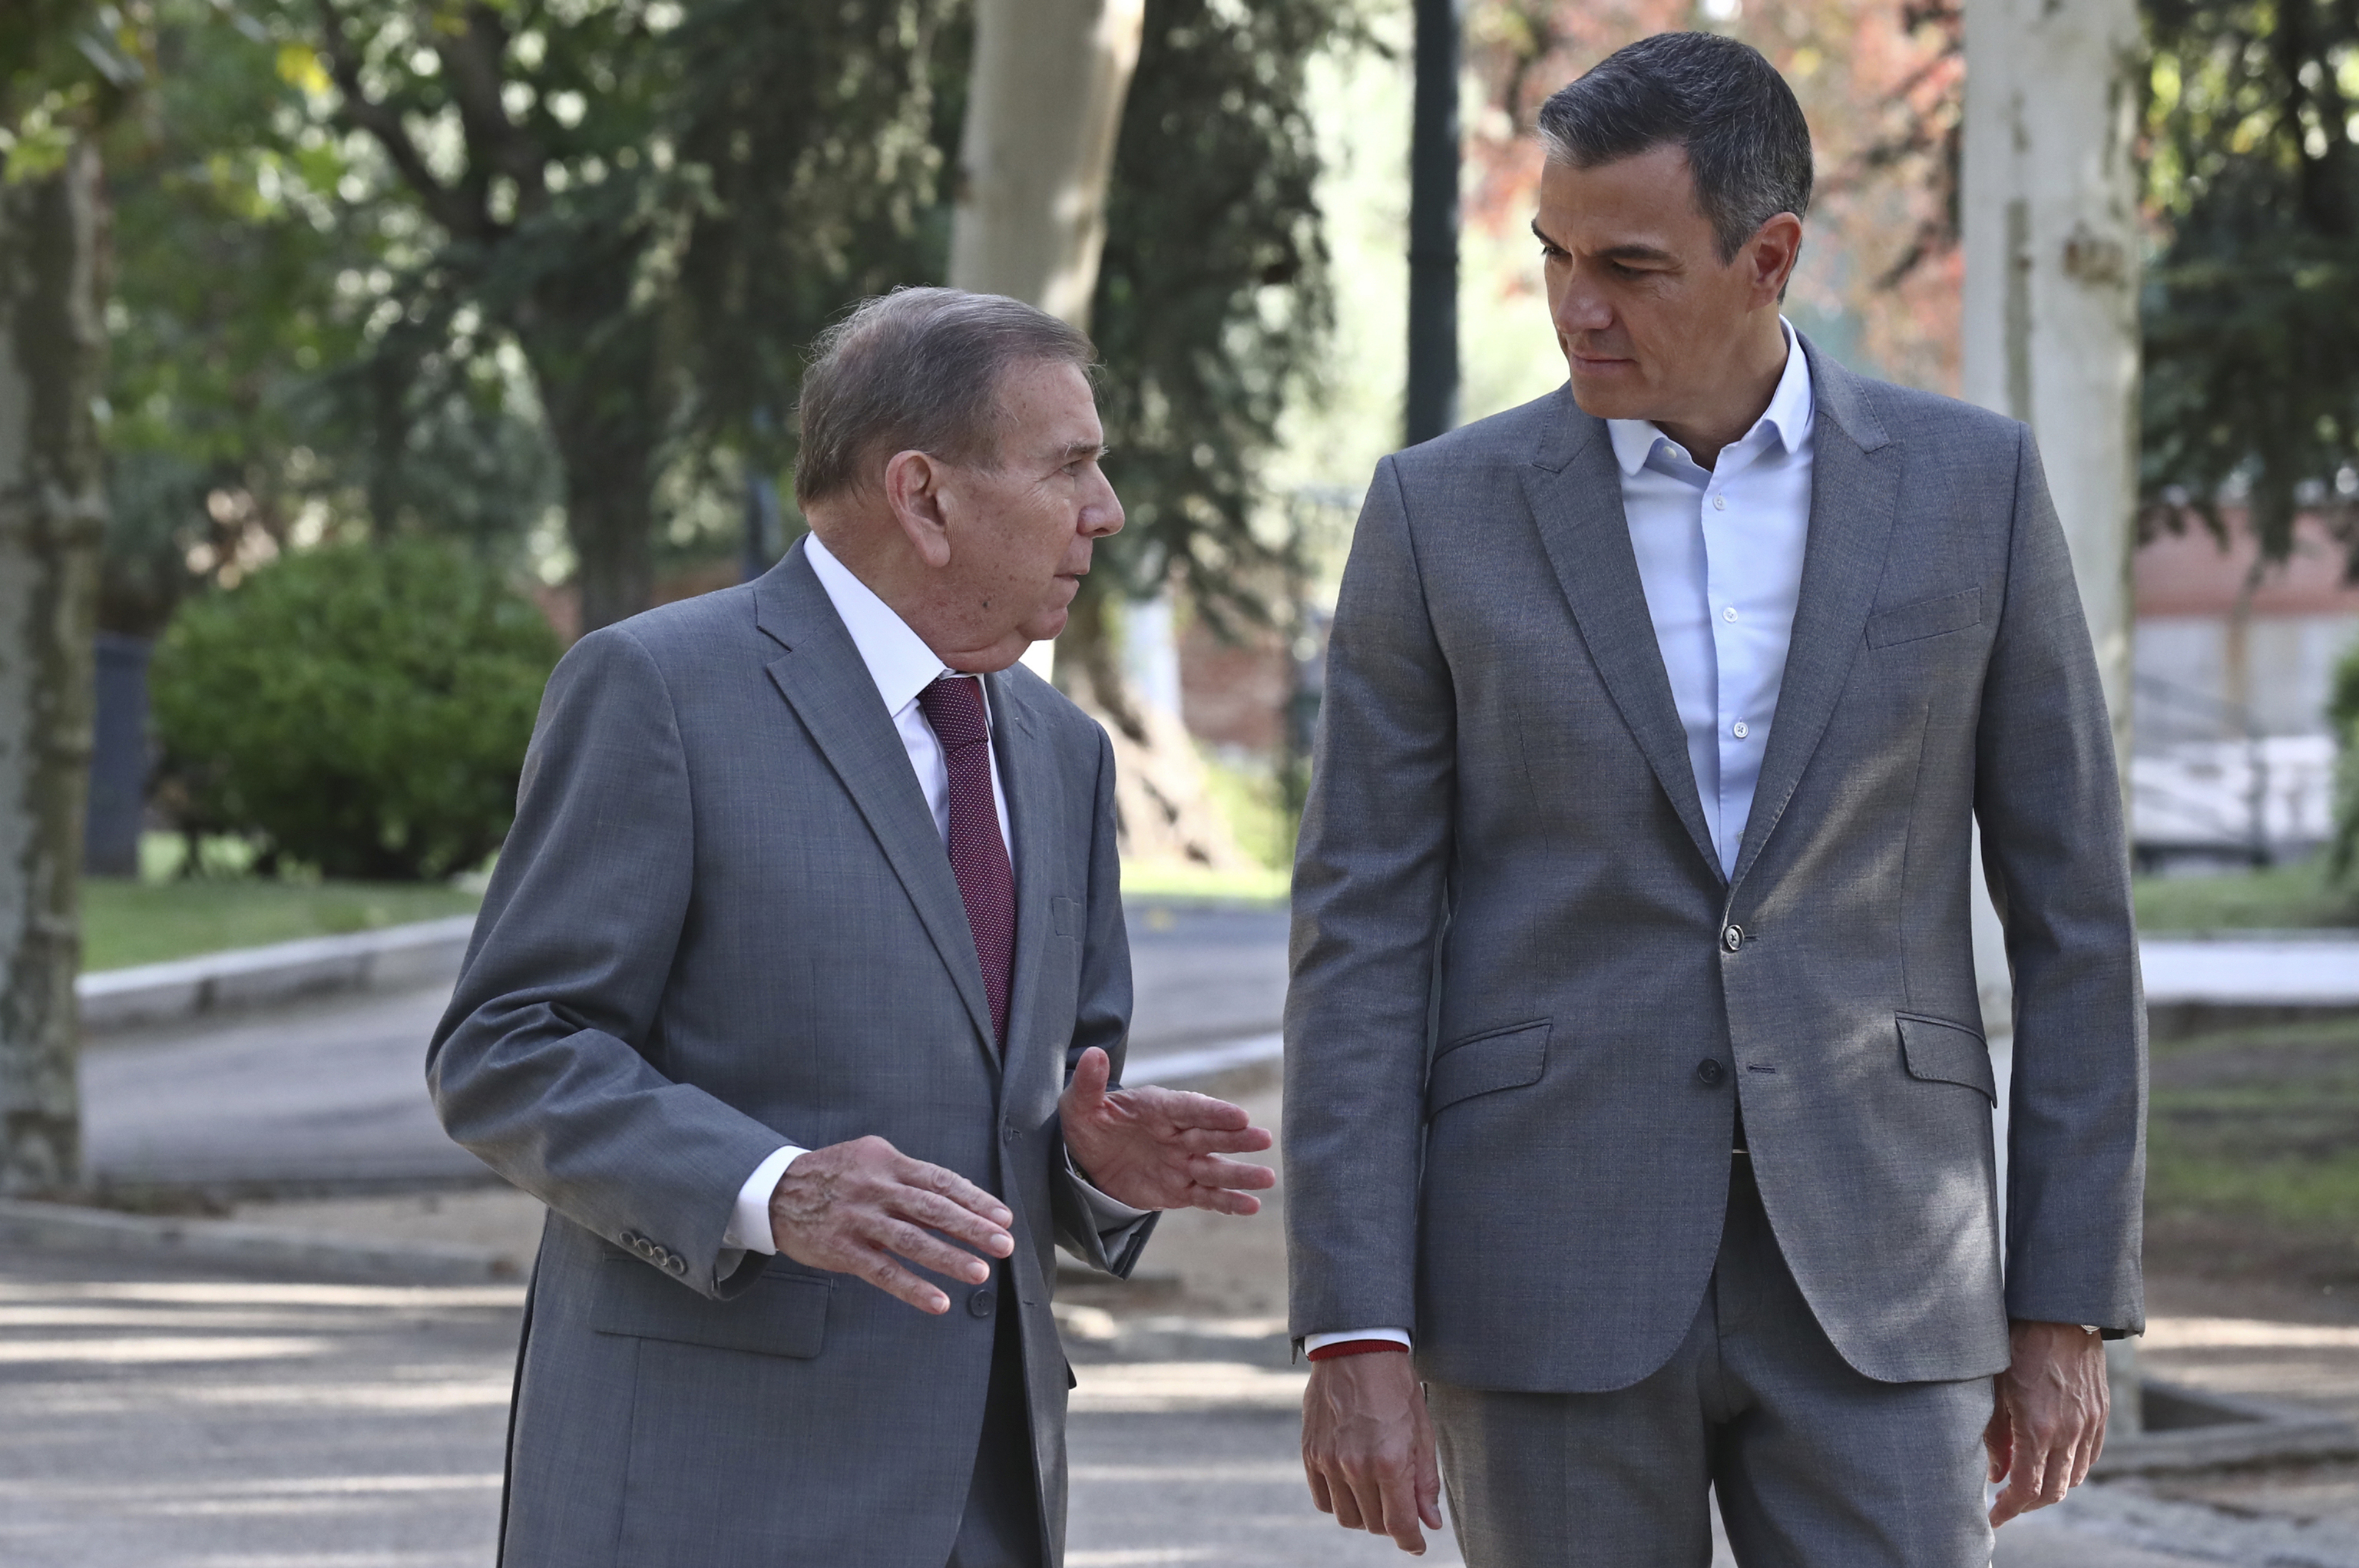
column 1729, row 613
column 1720, row 503
column 1739, row 730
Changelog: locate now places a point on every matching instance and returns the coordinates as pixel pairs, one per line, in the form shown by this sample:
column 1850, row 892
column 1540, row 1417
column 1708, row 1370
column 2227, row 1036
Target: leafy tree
column 2252, row 311
column 1213, row 299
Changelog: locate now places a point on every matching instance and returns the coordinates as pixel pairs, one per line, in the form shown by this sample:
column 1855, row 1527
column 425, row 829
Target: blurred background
column 358, row 355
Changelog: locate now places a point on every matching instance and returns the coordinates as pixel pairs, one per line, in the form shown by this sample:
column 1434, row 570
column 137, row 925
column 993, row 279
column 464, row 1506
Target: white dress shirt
column 1720, row 555
column 902, row 666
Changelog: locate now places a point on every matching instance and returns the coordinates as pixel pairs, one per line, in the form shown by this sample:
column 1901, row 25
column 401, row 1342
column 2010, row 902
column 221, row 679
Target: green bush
column 361, row 709
column 2342, row 712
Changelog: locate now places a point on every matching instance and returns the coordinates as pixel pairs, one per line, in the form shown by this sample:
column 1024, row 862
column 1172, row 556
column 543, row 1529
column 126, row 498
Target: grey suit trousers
column 1816, row 1467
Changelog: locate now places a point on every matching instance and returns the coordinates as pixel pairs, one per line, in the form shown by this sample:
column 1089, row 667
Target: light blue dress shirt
column 1720, row 553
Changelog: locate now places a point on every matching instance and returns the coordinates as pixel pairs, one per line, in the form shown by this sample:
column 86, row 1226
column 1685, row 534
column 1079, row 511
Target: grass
column 127, row 922
column 2253, row 1152
column 2276, row 897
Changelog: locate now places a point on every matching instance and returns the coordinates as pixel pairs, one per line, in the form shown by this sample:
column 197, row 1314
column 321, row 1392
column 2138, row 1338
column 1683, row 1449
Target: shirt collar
column 898, row 659
column 1789, row 415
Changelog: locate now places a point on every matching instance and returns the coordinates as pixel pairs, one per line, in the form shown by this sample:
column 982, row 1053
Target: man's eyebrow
column 1076, row 450
column 1633, row 252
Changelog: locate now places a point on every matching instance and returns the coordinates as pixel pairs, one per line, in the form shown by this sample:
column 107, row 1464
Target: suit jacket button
column 1709, row 1072
column 676, row 1266
column 1007, row 1130
column 1732, row 938
column 980, row 1303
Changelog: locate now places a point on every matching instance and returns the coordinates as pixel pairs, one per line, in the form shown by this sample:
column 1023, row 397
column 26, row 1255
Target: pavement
column 331, row 1090
column 164, row 1413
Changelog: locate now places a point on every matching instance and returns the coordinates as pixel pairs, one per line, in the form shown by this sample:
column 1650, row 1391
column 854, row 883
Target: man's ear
column 1771, row 255
column 913, row 490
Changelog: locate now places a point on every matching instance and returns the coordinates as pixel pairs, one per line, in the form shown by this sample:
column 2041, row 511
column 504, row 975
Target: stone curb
column 2196, row 1429
column 415, row 954
column 24, row 1223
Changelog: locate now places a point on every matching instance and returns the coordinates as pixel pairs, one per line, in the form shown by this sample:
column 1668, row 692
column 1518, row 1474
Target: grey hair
column 1748, row 146
column 919, row 370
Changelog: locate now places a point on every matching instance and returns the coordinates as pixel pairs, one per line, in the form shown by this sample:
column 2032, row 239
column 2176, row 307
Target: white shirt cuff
column 1111, row 1213
column 1312, row 1342
column 749, row 1223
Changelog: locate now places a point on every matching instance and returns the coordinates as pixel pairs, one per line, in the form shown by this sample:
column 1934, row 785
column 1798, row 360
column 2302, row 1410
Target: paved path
column 333, row 1089
column 161, row 1417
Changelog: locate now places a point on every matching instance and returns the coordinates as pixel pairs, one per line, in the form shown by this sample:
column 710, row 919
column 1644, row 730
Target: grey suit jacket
column 1527, row 1003
column 725, row 921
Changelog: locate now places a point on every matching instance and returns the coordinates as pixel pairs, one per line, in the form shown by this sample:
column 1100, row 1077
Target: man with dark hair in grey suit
column 1636, row 1082
column 797, row 993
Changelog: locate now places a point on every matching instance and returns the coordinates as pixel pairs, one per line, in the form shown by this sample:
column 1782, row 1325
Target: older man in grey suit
column 1635, row 1069
column 796, row 998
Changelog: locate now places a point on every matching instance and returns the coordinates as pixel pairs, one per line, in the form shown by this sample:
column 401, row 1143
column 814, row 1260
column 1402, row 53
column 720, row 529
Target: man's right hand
column 851, row 1208
column 1368, row 1447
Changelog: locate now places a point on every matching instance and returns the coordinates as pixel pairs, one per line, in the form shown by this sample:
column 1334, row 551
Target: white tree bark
column 1043, row 114
column 2049, row 210
column 51, row 516
column 1044, row 107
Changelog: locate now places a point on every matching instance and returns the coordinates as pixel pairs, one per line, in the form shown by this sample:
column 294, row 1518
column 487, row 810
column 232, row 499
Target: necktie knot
column 953, row 706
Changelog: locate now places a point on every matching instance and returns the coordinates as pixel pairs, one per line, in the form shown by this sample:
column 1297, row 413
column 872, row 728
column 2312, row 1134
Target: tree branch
column 496, row 144
column 468, row 220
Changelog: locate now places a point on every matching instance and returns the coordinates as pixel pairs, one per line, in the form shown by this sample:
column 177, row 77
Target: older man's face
column 1022, row 528
column 1648, row 316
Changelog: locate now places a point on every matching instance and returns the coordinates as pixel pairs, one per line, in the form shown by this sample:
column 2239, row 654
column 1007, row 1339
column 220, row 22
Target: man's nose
column 1101, row 514
column 1581, row 308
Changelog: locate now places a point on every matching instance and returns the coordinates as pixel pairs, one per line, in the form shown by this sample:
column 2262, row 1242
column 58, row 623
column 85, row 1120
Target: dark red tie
column 987, row 881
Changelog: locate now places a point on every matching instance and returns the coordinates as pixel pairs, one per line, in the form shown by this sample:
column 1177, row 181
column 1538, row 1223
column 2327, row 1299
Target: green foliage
column 2273, row 897
column 1213, row 300
column 2342, row 714
column 2251, row 313
column 363, row 709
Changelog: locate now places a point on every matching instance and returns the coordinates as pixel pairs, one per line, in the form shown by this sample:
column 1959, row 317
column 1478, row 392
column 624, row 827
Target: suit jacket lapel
column 822, row 676
column 1028, row 775
column 1574, row 490
column 1855, row 482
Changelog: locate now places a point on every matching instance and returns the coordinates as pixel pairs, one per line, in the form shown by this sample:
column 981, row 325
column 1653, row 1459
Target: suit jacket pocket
column 1943, row 1052
column 1926, row 619
column 785, row 1313
column 1506, row 1058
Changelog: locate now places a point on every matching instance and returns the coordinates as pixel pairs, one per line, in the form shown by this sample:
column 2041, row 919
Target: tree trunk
column 2050, row 330
column 1030, row 223
column 53, row 511
column 606, row 418
column 1043, row 111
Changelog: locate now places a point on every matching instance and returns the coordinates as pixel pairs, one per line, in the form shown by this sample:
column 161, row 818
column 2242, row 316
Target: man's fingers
column 1320, row 1498
column 1185, row 1107
column 1220, row 1200
column 1090, row 1075
column 1401, row 1512
column 949, row 1184
column 935, row 1212
column 1240, row 1174
column 928, row 1251
column 899, row 1282
column 1347, row 1502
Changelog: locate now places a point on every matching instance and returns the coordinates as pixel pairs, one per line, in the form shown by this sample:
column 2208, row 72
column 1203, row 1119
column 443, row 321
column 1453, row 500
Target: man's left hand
column 1161, row 1149
column 2050, row 1422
